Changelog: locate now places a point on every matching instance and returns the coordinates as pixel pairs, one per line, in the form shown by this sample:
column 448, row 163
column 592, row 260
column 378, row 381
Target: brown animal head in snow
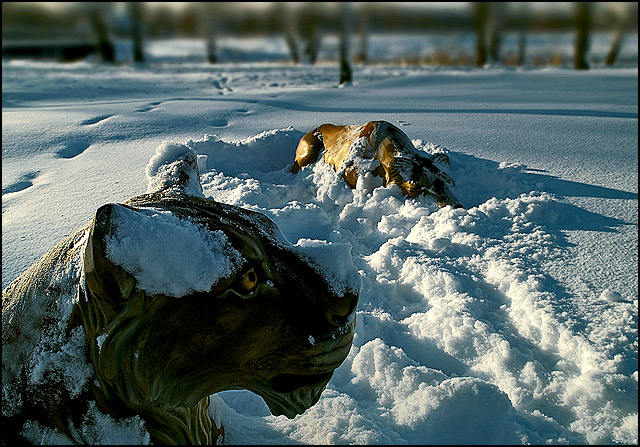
column 381, row 148
column 272, row 325
column 169, row 322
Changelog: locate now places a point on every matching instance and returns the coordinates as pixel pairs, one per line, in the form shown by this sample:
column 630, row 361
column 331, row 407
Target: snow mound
column 268, row 151
column 333, row 261
column 461, row 298
column 174, row 166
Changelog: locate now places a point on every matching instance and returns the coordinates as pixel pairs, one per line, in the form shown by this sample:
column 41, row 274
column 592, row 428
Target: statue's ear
column 308, row 150
column 105, row 280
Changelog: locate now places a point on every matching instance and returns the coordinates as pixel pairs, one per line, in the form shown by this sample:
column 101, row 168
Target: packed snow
column 333, row 261
column 151, row 244
column 510, row 320
column 172, row 164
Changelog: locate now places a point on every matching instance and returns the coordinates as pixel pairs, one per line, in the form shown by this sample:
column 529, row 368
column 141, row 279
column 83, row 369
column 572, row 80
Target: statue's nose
column 341, row 311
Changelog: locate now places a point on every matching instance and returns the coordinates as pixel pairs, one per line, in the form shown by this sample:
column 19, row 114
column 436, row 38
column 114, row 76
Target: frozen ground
column 513, row 320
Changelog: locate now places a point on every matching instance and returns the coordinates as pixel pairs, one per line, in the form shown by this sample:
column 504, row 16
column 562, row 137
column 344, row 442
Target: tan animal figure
column 381, row 148
column 134, row 320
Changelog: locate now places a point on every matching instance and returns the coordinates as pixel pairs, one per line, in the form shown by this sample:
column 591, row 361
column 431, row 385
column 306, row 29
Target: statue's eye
column 249, row 280
column 250, row 285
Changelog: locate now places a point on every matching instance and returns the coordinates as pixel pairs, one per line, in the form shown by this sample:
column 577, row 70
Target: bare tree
column 346, row 74
column 104, row 45
column 210, row 24
column 363, row 19
column 488, row 18
column 522, row 24
column 135, row 14
column 627, row 19
column 287, row 20
column 583, row 29
column 481, row 16
column 494, row 25
column 308, row 26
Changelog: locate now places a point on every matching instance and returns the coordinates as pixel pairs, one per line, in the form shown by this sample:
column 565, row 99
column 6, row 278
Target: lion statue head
column 381, row 148
column 178, row 297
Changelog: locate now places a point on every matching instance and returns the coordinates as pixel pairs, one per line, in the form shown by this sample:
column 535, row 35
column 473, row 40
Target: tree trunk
column 104, row 45
column 287, row 21
column 135, row 10
column 583, row 28
column 208, row 23
column 481, row 14
column 494, row 22
column 625, row 22
column 212, row 57
column 363, row 18
column 522, row 24
column 612, row 55
column 345, row 25
column 309, row 31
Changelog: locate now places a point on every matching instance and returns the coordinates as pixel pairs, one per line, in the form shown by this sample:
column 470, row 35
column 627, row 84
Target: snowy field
column 513, row 320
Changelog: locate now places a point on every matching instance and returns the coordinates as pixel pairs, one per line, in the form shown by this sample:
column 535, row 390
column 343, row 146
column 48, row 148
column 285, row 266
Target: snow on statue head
column 121, row 332
column 381, row 148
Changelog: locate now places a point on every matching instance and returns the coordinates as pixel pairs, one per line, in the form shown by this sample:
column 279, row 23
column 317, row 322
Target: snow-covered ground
column 512, row 320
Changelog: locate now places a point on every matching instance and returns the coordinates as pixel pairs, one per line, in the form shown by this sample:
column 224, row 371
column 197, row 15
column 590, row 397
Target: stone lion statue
column 134, row 320
column 381, row 148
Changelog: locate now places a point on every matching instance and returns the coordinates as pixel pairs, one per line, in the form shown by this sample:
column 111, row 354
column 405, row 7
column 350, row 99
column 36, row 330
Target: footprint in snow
column 22, row 184
column 95, row 120
column 219, row 122
column 149, row 107
column 73, row 149
column 221, row 84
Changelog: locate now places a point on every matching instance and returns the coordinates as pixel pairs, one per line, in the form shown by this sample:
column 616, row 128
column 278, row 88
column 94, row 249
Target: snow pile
column 52, row 355
column 168, row 255
column 174, row 166
column 333, row 261
column 463, row 291
column 43, row 349
column 96, row 429
column 264, row 153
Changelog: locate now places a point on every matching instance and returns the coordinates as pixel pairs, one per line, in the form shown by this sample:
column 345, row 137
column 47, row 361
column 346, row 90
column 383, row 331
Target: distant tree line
column 305, row 24
column 162, row 21
column 383, row 17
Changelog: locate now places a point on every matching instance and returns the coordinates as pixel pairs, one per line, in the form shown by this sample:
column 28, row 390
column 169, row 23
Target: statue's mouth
column 287, row 383
column 292, row 393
